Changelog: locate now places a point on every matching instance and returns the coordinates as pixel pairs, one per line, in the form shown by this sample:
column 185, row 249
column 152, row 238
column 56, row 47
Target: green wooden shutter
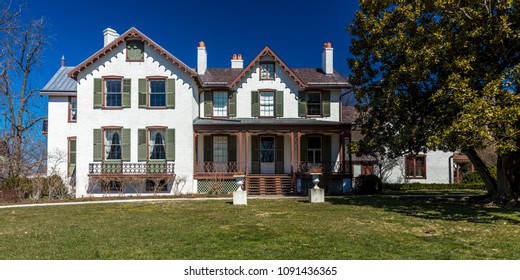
column 127, row 87
column 303, row 148
column 208, row 148
column 126, row 145
column 98, row 145
column 142, row 93
column 255, row 104
column 302, row 104
column 326, row 152
column 232, row 148
column 98, row 93
column 208, row 104
column 232, row 104
column 279, row 104
column 325, row 102
column 72, row 157
column 141, row 145
column 170, row 144
column 170, row 93
column 279, row 163
column 255, row 154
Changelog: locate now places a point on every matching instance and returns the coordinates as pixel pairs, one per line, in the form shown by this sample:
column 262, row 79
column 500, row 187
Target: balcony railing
column 141, row 168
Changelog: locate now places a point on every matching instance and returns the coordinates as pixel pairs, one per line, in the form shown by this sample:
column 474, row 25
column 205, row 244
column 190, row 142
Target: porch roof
column 285, row 124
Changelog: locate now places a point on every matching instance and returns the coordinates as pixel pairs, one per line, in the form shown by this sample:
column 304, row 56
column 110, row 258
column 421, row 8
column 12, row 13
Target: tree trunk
column 504, row 192
column 481, row 168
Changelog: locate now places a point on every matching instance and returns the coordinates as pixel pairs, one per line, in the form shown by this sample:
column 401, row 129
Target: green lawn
column 377, row 227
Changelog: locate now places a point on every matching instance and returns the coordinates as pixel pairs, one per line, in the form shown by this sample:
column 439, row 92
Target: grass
column 356, row 227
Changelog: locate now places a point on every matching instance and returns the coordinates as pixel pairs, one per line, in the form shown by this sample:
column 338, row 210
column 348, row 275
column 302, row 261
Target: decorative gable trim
column 132, row 33
column 267, row 51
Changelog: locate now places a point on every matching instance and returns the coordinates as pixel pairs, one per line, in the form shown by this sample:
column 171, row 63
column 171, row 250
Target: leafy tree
column 444, row 75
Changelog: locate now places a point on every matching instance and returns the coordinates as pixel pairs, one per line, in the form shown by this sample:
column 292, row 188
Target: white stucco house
column 433, row 167
column 135, row 111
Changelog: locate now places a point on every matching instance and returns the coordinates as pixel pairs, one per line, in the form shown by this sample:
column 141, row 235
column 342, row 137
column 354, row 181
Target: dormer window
column 266, row 71
column 134, row 51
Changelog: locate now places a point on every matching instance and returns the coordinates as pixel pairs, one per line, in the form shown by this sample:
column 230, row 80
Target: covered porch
column 276, row 156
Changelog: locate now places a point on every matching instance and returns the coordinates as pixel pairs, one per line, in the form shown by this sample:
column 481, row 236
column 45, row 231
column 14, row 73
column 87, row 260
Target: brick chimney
column 109, row 35
column 202, row 58
column 237, row 61
column 327, row 59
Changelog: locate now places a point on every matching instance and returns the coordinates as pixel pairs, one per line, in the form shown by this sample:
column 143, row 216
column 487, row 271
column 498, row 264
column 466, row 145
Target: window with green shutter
column 143, row 102
column 127, row 88
column 208, row 104
column 170, row 144
column 255, row 105
column 98, row 145
column 302, row 104
column 126, row 144
column 98, row 93
column 71, row 170
column 279, row 104
column 232, row 103
column 170, row 93
column 142, row 154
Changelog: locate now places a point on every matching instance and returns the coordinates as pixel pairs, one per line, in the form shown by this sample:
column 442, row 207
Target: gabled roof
column 131, row 33
column 267, row 51
column 304, row 77
column 60, row 83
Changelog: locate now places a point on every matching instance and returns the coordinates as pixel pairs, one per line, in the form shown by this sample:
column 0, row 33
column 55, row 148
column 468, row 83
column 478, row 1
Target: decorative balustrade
column 334, row 167
column 219, row 167
column 141, row 168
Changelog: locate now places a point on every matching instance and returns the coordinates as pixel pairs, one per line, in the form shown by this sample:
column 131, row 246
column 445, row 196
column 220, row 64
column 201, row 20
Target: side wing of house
column 134, row 114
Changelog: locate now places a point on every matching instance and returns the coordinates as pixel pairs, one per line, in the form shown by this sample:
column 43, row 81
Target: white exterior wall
column 58, row 130
column 180, row 118
column 437, row 170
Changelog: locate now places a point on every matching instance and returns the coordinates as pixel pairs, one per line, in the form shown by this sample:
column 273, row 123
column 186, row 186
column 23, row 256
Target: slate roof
column 60, row 83
column 219, row 77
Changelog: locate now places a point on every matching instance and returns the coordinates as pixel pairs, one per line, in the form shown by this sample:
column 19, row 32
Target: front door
column 267, row 155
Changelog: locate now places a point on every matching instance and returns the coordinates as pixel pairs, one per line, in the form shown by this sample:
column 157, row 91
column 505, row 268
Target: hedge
column 419, row 186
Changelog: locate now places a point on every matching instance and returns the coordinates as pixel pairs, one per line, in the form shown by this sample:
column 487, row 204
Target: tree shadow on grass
column 440, row 207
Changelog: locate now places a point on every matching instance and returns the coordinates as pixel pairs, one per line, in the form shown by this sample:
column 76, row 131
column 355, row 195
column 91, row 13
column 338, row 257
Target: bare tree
column 22, row 45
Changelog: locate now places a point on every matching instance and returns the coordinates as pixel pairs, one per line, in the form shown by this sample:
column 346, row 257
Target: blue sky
column 295, row 30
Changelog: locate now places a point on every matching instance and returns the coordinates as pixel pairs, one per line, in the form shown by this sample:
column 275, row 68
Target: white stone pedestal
column 239, row 198
column 316, row 195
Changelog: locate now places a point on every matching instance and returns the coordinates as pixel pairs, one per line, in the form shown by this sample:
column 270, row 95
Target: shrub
column 16, row 188
column 471, row 178
column 419, row 186
column 367, row 184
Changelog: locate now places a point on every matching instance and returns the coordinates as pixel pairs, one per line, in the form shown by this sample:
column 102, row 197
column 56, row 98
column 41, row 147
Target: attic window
column 266, row 71
column 134, row 51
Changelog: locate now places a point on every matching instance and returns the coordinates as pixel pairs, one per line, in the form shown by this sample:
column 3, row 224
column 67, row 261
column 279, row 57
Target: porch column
column 240, row 136
column 195, row 154
column 350, row 166
column 247, row 153
column 342, row 136
column 292, row 151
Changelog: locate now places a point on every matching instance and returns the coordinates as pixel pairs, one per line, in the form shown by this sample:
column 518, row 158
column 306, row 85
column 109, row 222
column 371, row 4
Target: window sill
column 416, row 178
column 72, row 121
column 135, row 60
column 156, row 108
column 112, row 108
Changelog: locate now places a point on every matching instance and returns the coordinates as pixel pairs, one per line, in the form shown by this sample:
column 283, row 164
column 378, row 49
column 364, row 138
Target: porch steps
column 270, row 184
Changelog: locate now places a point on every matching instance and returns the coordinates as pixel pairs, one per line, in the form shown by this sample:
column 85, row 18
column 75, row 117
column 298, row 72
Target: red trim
column 267, row 51
column 414, row 160
column 132, row 33
column 114, row 77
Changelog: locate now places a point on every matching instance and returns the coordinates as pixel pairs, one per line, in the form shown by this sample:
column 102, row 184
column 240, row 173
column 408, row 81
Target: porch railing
column 219, row 167
column 334, row 167
column 131, row 168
